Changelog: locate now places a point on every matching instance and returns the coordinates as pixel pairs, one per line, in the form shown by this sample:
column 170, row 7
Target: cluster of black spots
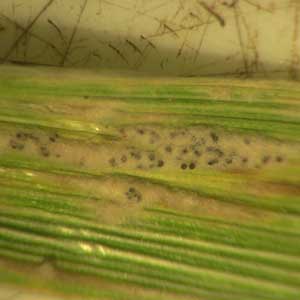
column 215, row 150
column 136, row 155
column 16, row 145
column 134, row 194
column 44, row 150
column 21, row 136
column 20, row 139
column 18, row 142
column 197, row 149
column 185, row 166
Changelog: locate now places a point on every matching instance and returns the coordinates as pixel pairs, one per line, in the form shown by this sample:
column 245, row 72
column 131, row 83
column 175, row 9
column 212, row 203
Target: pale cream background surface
column 181, row 37
column 178, row 37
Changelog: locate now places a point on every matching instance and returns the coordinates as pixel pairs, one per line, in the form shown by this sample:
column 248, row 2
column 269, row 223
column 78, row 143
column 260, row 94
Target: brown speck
column 168, row 149
column 215, row 150
column 244, row 160
column 136, row 155
column 112, row 162
column 279, row 158
column 266, row 159
column 197, row 153
column 151, row 156
column 247, row 141
column 183, row 166
column 219, row 152
column 214, row 137
column 194, row 139
column 33, row 137
column 122, row 131
column 141, row 131
column 212, row 162
column 229, row 161
column 21, row 136
column 185, row 151
column 160, row 163
column 131, row 190
column 172, row 135
column 44, row 150
column 52, row 139
column 123, row 158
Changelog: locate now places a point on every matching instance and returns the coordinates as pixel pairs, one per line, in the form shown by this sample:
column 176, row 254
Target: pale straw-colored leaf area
column 117, row 186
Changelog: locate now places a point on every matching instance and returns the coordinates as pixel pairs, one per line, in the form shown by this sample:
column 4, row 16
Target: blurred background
column 174, row 37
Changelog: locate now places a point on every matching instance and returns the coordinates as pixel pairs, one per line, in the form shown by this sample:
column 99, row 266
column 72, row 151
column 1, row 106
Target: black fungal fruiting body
column 197, row 153
column 21, row 136
column 160, row 163
column 112, row 162
column 168, row 149
column 266, row 159
column 151, row 156
column 212, row 162
column 183, row 166
column 192, row 166
column 123, row 158
column 140, row 131
column 133, row 194
column 214, row 137
column 136, row 155
column 44, row 151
